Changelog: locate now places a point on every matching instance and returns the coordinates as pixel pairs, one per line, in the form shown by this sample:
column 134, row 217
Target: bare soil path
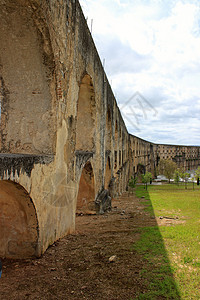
column 78, row 267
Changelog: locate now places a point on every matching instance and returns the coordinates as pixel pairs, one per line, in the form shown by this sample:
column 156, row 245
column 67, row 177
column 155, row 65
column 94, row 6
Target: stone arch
column 120, row 147
column 26, row 78
column 116, row 134
column 107, row 174
column 108, row 134
column 120, row 158
column 86, row 192
column 18, row 222
column 86, row 114
column 140, row 170
column 123, row 147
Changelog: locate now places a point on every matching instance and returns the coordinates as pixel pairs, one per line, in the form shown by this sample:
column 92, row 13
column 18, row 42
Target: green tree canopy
column 167, row 168
column 132, row 182
column 146, row 178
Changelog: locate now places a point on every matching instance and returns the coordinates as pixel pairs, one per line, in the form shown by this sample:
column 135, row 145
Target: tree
column 167, row 168
column 132, row 182
column 147, row 177
column 177, row 177
column 185, row 177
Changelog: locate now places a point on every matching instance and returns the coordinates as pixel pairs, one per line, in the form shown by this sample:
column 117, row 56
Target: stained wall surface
column 27, row 123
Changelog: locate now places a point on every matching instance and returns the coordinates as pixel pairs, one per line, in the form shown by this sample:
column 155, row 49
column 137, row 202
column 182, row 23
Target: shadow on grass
column 157, row 271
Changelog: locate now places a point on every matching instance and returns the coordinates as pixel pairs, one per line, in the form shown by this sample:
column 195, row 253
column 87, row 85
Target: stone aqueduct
column 63, row 143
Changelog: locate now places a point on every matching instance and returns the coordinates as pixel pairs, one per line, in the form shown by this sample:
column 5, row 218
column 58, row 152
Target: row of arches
column 115, row 145
column 31, row 126
column 86, row 122
column 19, row 228
column 18, row 218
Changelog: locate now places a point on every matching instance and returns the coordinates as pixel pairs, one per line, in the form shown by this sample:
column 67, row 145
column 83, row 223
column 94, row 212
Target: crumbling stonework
column 63, row 141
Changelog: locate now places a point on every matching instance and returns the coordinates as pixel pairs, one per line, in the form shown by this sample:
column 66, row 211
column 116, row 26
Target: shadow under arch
column 107, row 174
column 140, row 170
column 86, row 116
column 86, row 192
column 18, row 222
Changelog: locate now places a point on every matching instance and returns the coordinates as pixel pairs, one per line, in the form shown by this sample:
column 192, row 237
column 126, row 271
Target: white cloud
column 153, row 47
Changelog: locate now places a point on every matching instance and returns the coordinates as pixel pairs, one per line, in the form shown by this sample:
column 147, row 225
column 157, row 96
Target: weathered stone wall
column 58, row 114
column 145, row 156
column 186, row 157
column 61, row 131
column 26, row 78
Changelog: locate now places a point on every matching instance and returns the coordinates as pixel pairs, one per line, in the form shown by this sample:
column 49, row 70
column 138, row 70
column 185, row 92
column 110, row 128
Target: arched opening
column 123, row 147
column 107, row 174
column 85, row 128
column 18, row 222
column 86, row 193
column 108, row 135
column 26, row 78
column 140, row 171
column 120, row 158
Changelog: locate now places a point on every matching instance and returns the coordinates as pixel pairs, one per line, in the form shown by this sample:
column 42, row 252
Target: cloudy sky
column 152, row 59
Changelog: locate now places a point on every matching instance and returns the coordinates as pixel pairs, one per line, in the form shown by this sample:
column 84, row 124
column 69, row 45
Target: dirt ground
column 78, row 266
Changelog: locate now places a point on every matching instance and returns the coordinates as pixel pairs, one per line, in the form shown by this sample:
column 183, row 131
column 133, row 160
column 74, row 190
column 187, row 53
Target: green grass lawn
column 173, row 251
